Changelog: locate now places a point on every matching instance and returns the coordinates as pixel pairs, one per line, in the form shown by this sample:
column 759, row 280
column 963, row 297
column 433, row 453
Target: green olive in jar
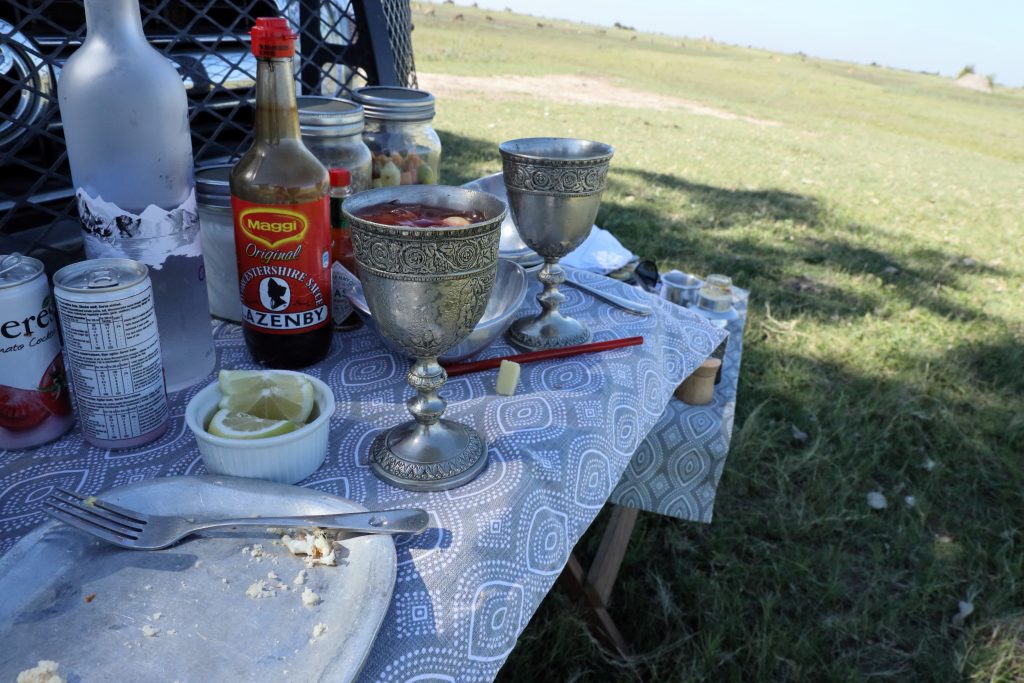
column 425, row 175
column 390, row 175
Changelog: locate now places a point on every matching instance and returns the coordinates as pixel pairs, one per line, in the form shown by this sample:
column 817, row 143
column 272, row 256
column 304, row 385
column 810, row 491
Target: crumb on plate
column 309, row 598
column 318, row 631
column 45, row 671
column 149, row 631
column 317, row 548
column 259, row 590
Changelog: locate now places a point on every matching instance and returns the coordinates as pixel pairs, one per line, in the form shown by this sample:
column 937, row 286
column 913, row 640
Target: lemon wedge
column 267, row 394
column 232, row 424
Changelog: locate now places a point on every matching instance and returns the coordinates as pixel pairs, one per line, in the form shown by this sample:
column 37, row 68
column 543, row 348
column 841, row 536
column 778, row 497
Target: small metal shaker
column 680, row 288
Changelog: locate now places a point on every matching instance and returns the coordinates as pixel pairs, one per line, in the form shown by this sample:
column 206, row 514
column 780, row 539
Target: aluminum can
column 35, row 404
column 113, row 351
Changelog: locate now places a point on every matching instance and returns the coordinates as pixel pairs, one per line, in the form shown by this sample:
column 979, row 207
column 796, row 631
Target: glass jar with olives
column 404, row 145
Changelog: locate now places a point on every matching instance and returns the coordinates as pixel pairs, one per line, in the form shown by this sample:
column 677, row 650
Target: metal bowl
column 507, row 298
column 511, row 246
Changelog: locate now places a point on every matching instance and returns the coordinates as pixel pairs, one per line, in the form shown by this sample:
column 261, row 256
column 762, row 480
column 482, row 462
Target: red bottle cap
column 340, row 177
column 272, row 38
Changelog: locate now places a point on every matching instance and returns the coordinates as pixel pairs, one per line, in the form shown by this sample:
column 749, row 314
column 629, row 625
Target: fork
column 137, row 531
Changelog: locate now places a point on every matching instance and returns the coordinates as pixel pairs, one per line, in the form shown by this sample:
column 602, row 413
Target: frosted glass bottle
column 125, row 117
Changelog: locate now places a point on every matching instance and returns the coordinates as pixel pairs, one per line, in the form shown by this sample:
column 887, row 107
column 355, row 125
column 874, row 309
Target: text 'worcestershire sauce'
column 279, row 196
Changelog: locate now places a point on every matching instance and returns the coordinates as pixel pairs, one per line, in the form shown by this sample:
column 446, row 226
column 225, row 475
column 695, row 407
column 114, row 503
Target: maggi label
column 272, row 228
column 283, row 265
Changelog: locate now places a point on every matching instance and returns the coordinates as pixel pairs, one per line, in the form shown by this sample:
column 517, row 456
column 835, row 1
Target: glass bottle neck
column 277, row 118
column 113, row 21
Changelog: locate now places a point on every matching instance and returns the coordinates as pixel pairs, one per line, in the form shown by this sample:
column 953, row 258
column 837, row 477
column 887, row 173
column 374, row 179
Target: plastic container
column 287, row 459
column 217, row 232
column 405, row 147
column 332, row 129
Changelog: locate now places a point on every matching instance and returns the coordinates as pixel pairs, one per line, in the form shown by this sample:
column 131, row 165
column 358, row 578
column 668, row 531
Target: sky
column 921, row 35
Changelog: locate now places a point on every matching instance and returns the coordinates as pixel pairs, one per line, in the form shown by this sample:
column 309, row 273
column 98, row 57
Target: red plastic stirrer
column 547, row 354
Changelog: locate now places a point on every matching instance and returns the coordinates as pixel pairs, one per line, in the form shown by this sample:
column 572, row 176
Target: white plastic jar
column 217, row 232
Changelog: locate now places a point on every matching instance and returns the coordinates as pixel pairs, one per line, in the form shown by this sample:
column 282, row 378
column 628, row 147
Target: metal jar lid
column 102, row 274
column 329, row 116
column 389, row 103
column 212, row 186
column 715, row 304
column 716, row 294
column 16, row 269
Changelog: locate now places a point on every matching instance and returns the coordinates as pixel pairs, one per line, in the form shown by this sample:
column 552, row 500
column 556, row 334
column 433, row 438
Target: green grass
column 850, row 222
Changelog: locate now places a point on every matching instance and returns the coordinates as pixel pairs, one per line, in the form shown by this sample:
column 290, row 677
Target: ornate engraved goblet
column 554, row 189
column 426, row 289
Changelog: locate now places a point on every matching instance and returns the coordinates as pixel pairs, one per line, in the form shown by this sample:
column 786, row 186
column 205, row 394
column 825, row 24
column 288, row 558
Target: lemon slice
column 237, row 425
column 267, row 394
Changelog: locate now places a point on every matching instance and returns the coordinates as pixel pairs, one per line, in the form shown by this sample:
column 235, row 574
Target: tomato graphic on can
column 35, row 405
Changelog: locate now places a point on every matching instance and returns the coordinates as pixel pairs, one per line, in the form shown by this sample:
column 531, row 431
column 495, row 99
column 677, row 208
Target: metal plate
column 199, row 587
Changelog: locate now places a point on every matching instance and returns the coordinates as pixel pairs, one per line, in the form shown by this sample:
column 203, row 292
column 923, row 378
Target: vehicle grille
column 208, row 42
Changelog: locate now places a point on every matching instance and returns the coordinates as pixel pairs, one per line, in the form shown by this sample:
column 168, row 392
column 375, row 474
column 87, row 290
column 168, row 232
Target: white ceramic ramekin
column 288, row 458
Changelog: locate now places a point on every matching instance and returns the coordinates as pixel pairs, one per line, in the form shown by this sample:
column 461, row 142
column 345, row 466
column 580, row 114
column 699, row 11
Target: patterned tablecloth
column 466, row 588
column 676, row 469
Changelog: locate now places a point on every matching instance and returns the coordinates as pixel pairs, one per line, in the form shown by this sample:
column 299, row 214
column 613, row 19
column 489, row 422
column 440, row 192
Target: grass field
column 876, row 216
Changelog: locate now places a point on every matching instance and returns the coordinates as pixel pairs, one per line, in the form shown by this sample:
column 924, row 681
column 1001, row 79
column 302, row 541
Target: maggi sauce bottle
column 279, row 195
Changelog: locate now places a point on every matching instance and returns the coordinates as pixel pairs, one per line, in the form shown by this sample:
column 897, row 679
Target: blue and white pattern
column 676, row 470
column 465, row 589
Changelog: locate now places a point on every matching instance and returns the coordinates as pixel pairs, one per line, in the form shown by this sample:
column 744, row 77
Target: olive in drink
column 279, row 198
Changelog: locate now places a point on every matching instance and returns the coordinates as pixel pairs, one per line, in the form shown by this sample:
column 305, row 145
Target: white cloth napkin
column 601, row 253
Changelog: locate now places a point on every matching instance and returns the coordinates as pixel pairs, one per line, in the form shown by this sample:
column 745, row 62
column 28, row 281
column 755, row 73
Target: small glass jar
column 217, row 236
column 714, row 302
column 332, row 129
column 405, row 147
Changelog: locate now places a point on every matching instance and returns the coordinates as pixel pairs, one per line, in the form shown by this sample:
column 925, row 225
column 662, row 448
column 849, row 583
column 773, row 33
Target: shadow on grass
column 798, row 578
column 795, row 236
column 797, row 245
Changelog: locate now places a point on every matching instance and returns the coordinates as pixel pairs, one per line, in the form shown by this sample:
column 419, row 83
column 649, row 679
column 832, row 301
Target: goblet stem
column 551, row 275
column 550, row 329
column 428, row 453
column 426, row 376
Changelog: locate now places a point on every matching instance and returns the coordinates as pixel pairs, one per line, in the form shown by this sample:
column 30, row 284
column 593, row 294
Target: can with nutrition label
column 113, row 351
column 34, row 403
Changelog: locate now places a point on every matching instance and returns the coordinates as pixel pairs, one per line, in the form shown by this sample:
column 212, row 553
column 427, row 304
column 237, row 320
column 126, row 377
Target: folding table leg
column 593, row 587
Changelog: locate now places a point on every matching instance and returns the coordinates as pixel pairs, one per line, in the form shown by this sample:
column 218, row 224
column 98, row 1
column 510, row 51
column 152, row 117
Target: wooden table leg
column 593, row 587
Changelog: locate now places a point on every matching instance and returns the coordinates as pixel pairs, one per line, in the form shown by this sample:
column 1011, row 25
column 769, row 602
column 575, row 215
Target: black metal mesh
column 399, row 20
column 343, row 44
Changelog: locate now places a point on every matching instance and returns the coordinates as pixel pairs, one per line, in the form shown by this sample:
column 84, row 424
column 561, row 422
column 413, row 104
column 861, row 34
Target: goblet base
column 433, row 457
column 549, row 330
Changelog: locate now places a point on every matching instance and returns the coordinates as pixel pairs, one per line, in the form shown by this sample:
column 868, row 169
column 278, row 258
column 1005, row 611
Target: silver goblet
column 426, row 289
column 554, row 189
